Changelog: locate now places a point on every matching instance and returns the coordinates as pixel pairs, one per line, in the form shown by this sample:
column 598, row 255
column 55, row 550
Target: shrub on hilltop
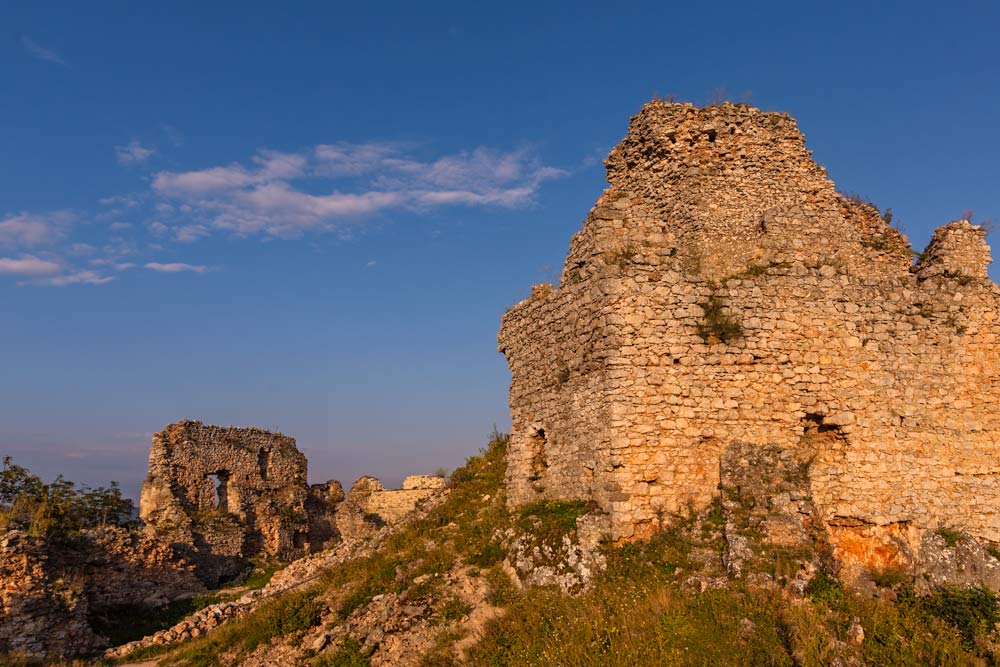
column 59, row 508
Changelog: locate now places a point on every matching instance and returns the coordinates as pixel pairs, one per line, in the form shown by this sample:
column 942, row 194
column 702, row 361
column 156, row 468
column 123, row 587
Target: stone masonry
column 722, row 290
column 229, row 493
column 50, row 591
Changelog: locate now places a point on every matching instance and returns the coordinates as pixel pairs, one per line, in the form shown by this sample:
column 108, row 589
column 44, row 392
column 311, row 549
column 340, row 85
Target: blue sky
column 311, row 217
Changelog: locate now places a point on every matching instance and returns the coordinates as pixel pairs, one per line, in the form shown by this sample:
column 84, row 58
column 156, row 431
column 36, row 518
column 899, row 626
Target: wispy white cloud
column 81, row 249
column 38, row 51
column 175, row 267
column 84, row 277
column 133, row 153
column 190, row 233
column 128, row 201
column 348, row 159
column 287, row 194
column 112, row 263
column 273, row 194
column 25, row 230
column 28, row 265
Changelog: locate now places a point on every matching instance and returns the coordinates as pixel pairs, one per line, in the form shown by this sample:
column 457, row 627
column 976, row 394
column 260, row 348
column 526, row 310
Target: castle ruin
column 722, row 290
column 229, row 494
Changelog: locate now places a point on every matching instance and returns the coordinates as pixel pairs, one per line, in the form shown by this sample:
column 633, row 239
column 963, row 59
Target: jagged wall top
column 722, row 188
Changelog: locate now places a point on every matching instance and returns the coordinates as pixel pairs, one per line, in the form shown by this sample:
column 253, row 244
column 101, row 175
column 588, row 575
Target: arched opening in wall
column 263, row 461
column 220, row 481
column 300, row 539
column 537, row 443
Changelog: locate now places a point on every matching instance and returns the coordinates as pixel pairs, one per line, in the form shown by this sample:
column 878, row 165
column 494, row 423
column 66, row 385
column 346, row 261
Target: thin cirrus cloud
column 175, row 267
column 133, row 153
column 272, row 194
column 348, row 182
column 39, row 52
column 84, row 277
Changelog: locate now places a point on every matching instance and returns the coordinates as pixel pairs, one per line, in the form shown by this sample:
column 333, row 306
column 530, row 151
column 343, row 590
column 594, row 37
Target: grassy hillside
column 648, row 607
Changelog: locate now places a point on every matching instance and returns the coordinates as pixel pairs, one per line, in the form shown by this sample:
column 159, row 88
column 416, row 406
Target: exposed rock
column 300, row 572
column 49, row 590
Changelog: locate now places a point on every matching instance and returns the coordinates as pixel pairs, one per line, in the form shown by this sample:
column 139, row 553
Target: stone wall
column 50, row 590
column 722, row 290
column 230, row 493
column 369, row 505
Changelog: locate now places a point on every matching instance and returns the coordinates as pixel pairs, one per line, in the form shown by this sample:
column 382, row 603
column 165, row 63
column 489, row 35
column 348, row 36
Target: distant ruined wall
column 627, row 385
column 369, row 505
column 228, row 494
column 231, row 493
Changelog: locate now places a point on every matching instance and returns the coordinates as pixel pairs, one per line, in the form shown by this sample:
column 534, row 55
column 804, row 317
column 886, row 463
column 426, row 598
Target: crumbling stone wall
column 51, row 590
column 369, row 505
column 230, row 493
column 721, row 290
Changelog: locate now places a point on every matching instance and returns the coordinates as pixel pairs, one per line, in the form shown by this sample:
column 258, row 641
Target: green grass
column 890, row 577
column 549, row 520
column 972, row 611
column 291, row 613
column 641, row 610
column 348, row 654
column 262, row 574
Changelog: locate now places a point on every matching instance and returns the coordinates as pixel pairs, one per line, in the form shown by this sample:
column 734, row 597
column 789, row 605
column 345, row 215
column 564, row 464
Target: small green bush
column 549, row 520
column 453, row 608
column 889, row 577
column 348, row 654
column 487, row 555
column 972, row 611
column 950, row 536
column 825, row 589
column 717, row 323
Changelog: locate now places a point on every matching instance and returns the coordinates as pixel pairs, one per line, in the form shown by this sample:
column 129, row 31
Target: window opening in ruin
column 263, row 461
column 300, row 540
column 539, row 463
column 220, row 480
column 711, row 135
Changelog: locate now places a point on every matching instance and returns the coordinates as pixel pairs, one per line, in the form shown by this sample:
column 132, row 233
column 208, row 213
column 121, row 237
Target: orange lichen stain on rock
column 873, row 547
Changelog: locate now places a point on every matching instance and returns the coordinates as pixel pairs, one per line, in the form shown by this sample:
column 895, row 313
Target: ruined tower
column 721, row 289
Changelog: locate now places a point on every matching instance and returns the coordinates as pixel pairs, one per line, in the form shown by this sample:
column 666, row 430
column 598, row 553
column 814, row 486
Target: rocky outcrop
column 50, row 589
column 721, row 290
column 40, row 614
column 299, row 573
